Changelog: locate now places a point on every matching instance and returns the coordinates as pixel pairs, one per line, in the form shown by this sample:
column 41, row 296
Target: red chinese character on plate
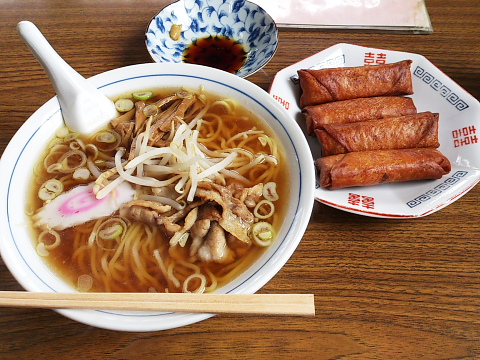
column 368, row 202
column 369, row 58
column 381, row 58
column 354, row 199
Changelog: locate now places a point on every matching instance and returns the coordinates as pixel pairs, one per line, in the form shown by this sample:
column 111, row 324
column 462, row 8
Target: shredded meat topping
column 144, row 211
column 236, row 217
column 214, row 247
column 218, row 221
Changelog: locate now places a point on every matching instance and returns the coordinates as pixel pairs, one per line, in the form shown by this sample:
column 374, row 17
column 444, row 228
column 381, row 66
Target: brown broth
column 60, row 259
column 218, row 52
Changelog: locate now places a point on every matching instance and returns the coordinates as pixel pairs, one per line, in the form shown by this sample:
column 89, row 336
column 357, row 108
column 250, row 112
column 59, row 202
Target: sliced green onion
column 84, row 282
column 150, row 110
column 50, row 239
column 62, row 132
column 106, row 137
column 107, row 140
column 81, row 174
column 142, row 95
column 53, row 185
column 185, row 95
column 71, row 161
column 264, row 209
column 270, row 191
column 111, row 232
column 71, row 136
column 50, row 189
column 124, row 105
column 222, row 104
column 54, row 167
column 44, row 194
column 263, row 233
column 41, row 250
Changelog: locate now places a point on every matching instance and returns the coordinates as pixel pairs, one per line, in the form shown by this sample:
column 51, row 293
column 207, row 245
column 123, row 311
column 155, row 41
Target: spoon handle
column 64, row 78
column 84, row 107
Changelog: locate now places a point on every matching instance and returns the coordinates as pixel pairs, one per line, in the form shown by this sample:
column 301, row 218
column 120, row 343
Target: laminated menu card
column 408, row 16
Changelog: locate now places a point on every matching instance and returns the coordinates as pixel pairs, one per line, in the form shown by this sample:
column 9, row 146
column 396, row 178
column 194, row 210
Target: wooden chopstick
column 266, row 304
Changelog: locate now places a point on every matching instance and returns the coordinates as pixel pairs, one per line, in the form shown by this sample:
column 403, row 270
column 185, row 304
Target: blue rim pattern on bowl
column 17, row 256
column 240, row 20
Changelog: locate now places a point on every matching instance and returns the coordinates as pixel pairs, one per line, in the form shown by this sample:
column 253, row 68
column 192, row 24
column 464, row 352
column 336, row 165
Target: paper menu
column 409, row 16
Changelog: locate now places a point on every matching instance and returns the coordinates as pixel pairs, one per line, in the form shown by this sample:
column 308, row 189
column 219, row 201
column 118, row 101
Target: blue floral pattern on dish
column 240, row 20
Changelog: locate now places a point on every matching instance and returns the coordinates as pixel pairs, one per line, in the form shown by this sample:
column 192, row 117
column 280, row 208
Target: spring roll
column 368, row 168
column 355, row 110
column 410, row 131
column 326, row 85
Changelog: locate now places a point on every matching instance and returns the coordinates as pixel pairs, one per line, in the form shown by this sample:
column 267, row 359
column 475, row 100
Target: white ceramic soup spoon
column 84, row 108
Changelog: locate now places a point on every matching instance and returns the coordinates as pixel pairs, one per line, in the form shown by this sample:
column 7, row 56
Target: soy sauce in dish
column 219, row 52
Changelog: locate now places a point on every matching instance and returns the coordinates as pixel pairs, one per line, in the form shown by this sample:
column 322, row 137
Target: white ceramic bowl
column 239, row 20
column 17, row 164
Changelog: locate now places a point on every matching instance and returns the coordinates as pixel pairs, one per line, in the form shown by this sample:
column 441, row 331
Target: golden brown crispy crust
column 355, row 110
column 326, row 85
column 381, row 166
column 410, row 131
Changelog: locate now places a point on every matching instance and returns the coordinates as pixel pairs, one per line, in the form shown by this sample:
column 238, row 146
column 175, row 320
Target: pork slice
column 251, row 196
column 206, row 214
column 125, row 130
column 170, row 221
column 236, row 217
column 125, row 117
column 214, row 247
column 200, row 228
column 140, row 117
column 163, row 124
column 145, row 211
column 190, row 220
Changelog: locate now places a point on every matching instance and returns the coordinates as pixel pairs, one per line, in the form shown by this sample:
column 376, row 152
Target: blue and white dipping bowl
column 240, row 20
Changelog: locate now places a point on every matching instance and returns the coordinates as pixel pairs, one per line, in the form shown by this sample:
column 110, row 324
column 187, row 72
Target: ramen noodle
column 178, row 194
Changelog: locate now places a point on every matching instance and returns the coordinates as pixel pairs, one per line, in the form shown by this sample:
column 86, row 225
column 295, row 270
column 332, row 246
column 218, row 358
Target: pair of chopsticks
column 259, row 304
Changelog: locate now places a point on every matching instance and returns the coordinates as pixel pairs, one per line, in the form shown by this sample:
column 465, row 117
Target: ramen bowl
column 233, row 35
column 17, row 163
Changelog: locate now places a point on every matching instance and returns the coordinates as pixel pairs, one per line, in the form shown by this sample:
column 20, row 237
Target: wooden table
column 384, row 289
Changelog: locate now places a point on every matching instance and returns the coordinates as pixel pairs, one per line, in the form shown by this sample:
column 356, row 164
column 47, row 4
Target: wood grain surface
column 384, row 289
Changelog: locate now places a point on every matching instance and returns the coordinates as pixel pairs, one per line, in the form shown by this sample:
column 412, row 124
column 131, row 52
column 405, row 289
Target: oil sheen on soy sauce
column 218, row 52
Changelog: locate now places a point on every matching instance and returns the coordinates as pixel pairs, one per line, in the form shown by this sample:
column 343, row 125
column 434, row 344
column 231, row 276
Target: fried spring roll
column 382, row 166
column 355, row 110
column 326, row 85
column 411, row 131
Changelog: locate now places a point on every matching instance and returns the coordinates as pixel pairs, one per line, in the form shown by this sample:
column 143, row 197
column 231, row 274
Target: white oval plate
column 21, row 154
column 435, row 92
